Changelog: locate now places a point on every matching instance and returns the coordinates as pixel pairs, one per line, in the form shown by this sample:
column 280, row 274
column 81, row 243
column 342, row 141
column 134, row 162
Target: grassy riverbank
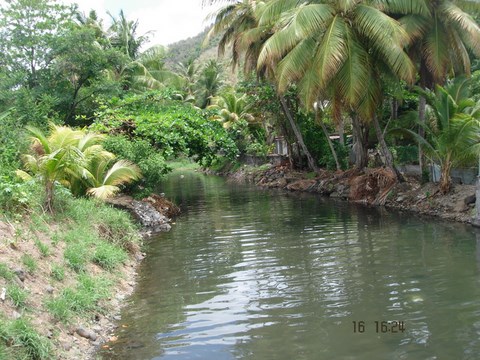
column 62, row 277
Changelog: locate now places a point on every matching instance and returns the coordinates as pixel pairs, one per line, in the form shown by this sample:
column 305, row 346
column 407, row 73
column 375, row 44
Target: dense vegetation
column 86, row 110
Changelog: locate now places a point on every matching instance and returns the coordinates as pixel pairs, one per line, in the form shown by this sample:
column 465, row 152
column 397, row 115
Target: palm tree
column 55, row 158
column 148, row 71
column 453, row 134
column 335, row 50
column 441, row 34
column 232, row 21
column 123, row 35
column 77, row 160
column 209, row 83
column 232, row 108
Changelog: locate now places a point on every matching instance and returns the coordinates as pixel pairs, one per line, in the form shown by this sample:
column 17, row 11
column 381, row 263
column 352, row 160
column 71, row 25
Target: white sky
column 171, row 20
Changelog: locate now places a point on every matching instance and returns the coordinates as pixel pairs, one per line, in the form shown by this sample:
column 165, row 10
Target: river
column 259, row 274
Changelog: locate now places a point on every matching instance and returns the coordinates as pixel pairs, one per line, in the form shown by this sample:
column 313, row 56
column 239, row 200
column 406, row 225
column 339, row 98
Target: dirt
column 377, row 186
column 16, row 240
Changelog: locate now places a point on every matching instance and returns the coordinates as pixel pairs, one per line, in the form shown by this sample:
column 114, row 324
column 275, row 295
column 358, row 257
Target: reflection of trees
column 283, row 276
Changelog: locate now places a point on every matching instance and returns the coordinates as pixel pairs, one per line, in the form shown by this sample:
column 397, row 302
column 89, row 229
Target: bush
column 173, row 127
column 150, row 161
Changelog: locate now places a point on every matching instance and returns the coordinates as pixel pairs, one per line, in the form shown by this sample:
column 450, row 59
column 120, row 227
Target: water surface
column 261, row 274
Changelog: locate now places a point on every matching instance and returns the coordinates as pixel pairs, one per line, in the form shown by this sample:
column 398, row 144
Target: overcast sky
column 171, row 20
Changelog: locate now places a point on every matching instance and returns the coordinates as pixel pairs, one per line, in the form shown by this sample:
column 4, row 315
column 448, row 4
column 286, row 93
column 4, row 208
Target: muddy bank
column 372, row 187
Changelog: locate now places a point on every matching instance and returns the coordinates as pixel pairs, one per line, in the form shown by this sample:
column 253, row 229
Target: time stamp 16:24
column 381, row 327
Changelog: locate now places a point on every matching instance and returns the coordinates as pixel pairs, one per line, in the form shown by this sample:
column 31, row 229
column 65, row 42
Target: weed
column 57, row 272
column 84, row 298
column 5, row 272
column 43, row 248
column 24, row 342
column 108, row 256
column 76, row 256
column 17, row 295
column 30, row 263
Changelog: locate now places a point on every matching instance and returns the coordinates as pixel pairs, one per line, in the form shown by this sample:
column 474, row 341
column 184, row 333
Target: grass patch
column 43, row 248
column 5, row 272
column 19, row 340
column 57, row 272
column 30, row 263
column 109, row 256
column 17, row 295
column 76, row 256
column 80, row 300
column 183, row 164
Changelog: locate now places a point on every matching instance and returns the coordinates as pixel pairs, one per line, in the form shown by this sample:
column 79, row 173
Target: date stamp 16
column 379, row 327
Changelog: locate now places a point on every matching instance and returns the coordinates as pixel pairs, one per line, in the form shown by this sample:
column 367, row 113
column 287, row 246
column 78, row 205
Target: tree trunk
column 298, row 134
column 49, row 196
column 330, row 144
column 387, row 154
column 476, row 220
column 360, row 136
column 341, row 131
column 421, row 130
column 445, row 180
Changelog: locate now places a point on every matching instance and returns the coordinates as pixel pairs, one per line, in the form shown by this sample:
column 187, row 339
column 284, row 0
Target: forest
column 88, row 109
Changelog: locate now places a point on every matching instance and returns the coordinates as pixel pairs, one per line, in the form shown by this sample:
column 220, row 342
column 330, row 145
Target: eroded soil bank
column 371, row 187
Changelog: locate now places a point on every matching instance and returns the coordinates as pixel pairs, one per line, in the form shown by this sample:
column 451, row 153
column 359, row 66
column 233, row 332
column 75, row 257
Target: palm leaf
column 121, row 172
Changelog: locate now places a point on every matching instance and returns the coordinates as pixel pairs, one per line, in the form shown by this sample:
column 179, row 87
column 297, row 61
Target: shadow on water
column 263, row 274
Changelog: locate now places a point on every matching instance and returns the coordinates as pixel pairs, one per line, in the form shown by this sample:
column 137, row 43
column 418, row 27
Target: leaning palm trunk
column 387, row 154
column 329, row 141
column 49, row 196
column 298, row 134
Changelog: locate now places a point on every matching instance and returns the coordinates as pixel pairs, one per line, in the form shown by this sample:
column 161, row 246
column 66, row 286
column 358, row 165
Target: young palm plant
column 453, row 134
column 76, row 160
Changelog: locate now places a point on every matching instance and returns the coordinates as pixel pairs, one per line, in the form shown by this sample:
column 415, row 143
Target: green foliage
column 407, row 154
column 77, row 255
column 5, row 272
column 80, row 300
column 108, row 256
column 57, row 272
column 317, row 144
column 19, row 340
column 17, row 295
column 43, row 248
column 150, row 161
column 174, row 128
column 30, row 263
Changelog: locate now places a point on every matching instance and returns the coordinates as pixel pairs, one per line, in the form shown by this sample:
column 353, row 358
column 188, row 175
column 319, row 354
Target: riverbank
column 371, row 187
column 64, row 277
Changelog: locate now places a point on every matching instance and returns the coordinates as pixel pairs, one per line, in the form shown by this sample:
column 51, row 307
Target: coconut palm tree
column 336, row 50
column 441, row 34
column 232, row 108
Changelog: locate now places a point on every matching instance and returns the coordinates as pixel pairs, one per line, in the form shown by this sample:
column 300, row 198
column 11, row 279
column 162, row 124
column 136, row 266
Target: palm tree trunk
column 298, row 134
column 327, row 135
column 49, row 196
column 359, row 143
column 387, row 154
column 445, row 180
column 476, row 220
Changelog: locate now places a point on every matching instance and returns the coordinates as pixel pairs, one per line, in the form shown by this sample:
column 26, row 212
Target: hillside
column 184, row 50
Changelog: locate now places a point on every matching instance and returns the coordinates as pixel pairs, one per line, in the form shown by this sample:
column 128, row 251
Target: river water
column 262, row 274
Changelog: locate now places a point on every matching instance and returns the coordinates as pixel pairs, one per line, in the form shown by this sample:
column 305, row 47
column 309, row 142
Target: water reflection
column 249, row 274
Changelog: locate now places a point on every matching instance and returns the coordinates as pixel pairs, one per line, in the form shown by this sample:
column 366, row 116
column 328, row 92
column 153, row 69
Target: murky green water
column 256, row 274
